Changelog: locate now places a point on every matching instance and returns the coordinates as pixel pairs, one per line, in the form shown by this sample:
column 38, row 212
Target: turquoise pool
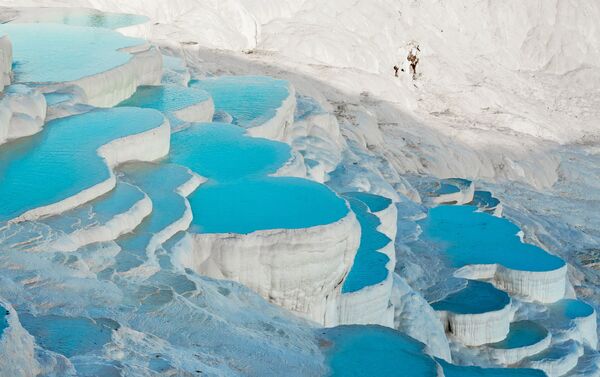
column 69, row 336
column 166, row 98
column 571, row 309
column 79, row 17
column 250, row 100
column 62, row 160
column 485, row 200
column 522, row 334
column 222, row 152
column 264, row 203
column 369, row 267
column 51, row 53
column 476, row 298
column 367, row 351
column 376, row 203
column 471, row 237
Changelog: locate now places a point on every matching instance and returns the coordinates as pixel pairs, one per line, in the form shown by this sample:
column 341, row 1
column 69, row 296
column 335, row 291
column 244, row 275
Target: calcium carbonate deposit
column 299, row 188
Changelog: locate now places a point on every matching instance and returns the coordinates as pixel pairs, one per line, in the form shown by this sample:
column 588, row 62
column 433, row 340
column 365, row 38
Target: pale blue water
column 55, row 98
column 476, row 298
column 264, row 203
column 451, row 370
column 369, row 351
column 250, row 100
column 222, row 152
column 571, row 309
column 61, row 161
column 522, row 334
column 69, row 336
column 159, row 182
column 3, row 320
column 82, row 17
column 369, row 264
column 375, row 203
column 461, row 183
column 99, row 211
column 470, row 237
column 166, row 99
column 48, row 53
column 446, row 188
column 306, row 106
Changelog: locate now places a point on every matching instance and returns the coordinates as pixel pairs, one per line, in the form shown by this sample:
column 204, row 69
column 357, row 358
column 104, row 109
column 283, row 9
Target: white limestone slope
column 542, row 286
column 145, row 146
column 108, row 88
column 22, row 112
column 279, row 126
column 478, row 329
column 17, row 348
column 298, row 269
column 511, row 356
column 5, row 61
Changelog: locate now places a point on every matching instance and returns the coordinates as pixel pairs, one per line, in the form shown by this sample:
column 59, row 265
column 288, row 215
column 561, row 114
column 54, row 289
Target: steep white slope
column 22, row 112
column 5, row 60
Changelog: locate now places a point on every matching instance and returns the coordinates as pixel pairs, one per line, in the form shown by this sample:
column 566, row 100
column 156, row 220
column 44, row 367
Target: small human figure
column 396, row 68
column 413, row 60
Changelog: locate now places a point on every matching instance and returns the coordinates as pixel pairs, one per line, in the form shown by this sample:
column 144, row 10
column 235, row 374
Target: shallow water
column 40, row 54
column 69, row 336
column 250, row 100
column 78, row 17
column 264, row 203
column 571, row 309
column 369, row 267
column 166, row 99
column 522, row 334
column 222, row 152
column 476, row 298
column 367, row 351
column 62, row 160
column 470, row 237
column 375, row 203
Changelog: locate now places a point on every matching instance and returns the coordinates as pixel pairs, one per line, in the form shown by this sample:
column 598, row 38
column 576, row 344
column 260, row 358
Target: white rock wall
column 5, row 60
column 22, row 112
column 17, row 348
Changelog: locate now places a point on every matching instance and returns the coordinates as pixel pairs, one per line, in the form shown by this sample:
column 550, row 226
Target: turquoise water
column 250, row 100
column 3, row 320
column 49, row 53
column 446, row 188
column 240, row 198
column 69, row 336
column 571, row 309
column 485, row 200
column 61, row 161
column 476, row 298
column 522, row 334
column 99, row 211
column 80, row 17
column 451, row 370
column 375, row 203
column 166, row 99
column 159, row 182
column 471, row 237
column 55, row 98
column 368, row 351
column 369, row 264
column 222, row 152
column 264, row 203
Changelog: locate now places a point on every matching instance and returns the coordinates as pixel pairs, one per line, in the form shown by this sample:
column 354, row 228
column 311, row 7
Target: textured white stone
column 542, row 286
column 17, row 348
column 478, row 329
column 279, row 126
column 511, row 356
column 22, row 112
column 5, row 60
column 200, row 112
column 298, row 269
column 562, row 358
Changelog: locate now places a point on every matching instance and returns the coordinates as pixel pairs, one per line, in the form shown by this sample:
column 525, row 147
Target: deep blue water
column 476, row 298
column 375, row 203
column 522, row 334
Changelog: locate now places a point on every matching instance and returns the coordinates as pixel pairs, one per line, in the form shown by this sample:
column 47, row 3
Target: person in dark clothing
column 396, row 68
